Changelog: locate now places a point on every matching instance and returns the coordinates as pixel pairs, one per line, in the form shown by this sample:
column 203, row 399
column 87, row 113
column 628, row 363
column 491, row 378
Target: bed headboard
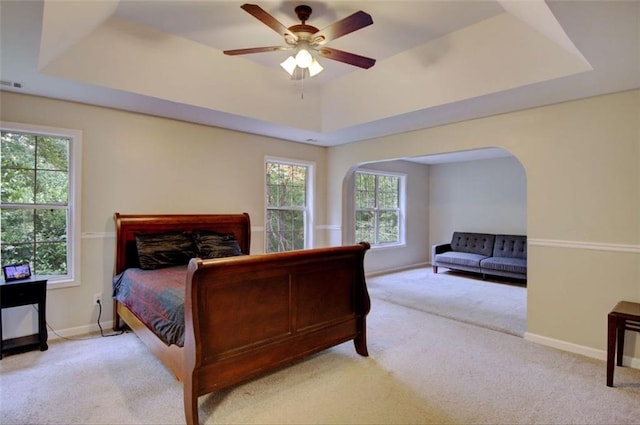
column 127, row 225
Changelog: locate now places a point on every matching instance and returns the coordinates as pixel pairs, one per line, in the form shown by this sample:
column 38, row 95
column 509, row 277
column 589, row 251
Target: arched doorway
column 482, row 190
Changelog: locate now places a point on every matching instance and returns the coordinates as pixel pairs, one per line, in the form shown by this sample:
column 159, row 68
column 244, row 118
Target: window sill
column 388, row 246
column 62, row 283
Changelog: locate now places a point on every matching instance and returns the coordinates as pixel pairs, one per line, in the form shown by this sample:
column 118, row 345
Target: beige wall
column 135, row 163
column 486, row 196
column 583, row 205
column 583, row 195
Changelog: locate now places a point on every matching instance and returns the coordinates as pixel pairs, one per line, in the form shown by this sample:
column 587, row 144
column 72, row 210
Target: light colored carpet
column 495, row 304
column 422, row 369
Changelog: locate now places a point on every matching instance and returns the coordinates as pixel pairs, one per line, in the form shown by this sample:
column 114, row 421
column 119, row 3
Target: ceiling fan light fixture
column 303, row 58
column 289, row 65
column 315, row 68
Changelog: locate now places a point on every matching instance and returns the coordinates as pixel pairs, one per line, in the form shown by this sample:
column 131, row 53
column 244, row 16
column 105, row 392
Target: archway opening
column 481, row 191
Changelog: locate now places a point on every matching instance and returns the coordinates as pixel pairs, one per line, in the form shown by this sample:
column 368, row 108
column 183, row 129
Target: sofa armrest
column 439, row 249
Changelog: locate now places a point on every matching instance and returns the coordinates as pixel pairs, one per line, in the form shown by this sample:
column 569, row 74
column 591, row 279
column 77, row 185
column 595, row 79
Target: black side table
column 19, row 293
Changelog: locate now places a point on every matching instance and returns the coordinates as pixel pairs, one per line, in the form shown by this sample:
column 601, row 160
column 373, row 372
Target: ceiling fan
column 304, row 38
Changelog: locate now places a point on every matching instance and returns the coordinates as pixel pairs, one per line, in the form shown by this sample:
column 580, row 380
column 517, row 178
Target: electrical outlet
column 97, row 298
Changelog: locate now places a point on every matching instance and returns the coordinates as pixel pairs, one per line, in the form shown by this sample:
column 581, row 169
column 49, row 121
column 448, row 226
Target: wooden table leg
column 43, row 334
column 621, row 325
column 612, row 330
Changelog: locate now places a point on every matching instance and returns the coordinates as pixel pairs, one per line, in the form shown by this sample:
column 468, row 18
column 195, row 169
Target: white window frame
column 74, row 248
column 310, row 191
column 402, row 190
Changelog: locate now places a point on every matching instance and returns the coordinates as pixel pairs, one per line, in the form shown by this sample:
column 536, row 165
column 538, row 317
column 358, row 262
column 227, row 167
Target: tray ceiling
column 437, row 61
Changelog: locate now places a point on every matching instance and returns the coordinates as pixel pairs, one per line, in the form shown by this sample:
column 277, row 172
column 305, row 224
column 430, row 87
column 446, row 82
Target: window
column 379, row 208
column 38, row 188
column 289, row 205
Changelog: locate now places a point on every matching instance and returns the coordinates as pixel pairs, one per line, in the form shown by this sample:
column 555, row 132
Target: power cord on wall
column 102, row 334
column 100, row 326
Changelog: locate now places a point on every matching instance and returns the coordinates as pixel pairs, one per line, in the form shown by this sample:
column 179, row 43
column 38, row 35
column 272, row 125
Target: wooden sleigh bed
column 250, row 314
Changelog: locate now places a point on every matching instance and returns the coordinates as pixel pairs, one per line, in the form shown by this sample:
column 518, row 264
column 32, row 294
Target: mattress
column 156, row 297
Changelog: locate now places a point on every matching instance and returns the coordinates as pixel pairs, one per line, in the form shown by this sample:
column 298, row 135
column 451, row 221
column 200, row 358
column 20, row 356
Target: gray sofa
column 485, row 253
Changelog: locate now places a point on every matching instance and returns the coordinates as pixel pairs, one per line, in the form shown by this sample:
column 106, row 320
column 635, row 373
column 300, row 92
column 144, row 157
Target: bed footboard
column 248, row 315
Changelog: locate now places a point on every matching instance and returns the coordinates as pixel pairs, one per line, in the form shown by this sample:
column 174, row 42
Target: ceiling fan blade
column 260, row 14
column 343, row 27
column 256, row 50
column 346, row 57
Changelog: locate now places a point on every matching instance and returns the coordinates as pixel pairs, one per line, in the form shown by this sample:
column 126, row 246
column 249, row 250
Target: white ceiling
column 437, row 61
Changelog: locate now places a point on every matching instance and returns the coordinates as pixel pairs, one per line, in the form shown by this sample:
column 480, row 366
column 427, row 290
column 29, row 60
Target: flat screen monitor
column 16, row 271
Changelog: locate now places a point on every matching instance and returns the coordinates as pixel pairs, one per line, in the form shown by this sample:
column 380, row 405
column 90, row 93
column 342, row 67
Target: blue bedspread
column 156, row 297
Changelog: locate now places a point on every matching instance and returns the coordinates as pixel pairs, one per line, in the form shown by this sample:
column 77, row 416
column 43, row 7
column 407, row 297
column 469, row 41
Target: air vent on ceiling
column 11, row 84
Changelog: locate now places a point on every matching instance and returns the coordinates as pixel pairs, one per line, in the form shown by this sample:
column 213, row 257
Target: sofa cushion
column 474, row 243
column 510, row 246
column 460, row 258
column 504, row 264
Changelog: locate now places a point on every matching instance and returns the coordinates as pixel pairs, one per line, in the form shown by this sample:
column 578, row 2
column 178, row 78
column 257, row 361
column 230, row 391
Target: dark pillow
column 211, row 244
column 160, row 250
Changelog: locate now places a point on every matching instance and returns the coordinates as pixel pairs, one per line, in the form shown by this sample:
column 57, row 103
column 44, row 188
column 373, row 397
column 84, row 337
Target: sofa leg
column 435, row 269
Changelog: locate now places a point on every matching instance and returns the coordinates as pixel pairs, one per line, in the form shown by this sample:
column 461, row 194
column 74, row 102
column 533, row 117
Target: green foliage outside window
column 377, row 203
column 286, row 206
column 34, row 198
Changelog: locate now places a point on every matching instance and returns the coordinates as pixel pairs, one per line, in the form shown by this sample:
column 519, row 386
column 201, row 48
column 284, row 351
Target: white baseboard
column 593, row 353
column 107, row 327
column 396, row 269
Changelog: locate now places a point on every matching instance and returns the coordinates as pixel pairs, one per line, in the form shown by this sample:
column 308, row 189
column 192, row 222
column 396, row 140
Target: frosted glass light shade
column 289, row 65
column 315, row 68
column 303, row 58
